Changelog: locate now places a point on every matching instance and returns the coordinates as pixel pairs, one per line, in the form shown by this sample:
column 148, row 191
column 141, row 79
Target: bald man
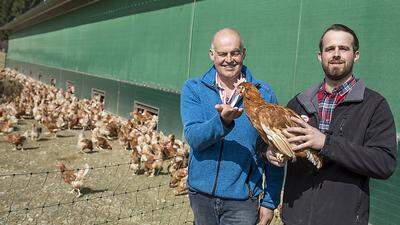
column 225, row 173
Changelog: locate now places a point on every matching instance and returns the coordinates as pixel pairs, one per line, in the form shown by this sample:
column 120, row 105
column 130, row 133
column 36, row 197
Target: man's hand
column 271, row 156
column 309, row 137
column 266, row 216
column 228, row 113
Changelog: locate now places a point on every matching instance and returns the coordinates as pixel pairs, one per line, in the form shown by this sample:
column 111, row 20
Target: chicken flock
column 54, row 110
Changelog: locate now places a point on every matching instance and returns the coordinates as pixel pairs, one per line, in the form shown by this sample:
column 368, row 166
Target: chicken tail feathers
column 314, row 158
column 82, row 172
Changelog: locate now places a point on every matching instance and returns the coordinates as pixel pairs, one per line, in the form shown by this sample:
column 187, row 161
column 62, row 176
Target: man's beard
column 336, row 74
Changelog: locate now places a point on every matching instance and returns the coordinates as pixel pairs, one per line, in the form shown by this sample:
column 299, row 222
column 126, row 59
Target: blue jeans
column 209, row 210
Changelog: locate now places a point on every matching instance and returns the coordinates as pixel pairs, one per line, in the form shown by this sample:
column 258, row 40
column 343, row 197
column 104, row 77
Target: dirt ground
column 112, row 193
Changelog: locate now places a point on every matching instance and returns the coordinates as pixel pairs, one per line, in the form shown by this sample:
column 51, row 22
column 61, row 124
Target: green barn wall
column 144, row 50
column 136, row 41
column 385, row 198
column 161, row 43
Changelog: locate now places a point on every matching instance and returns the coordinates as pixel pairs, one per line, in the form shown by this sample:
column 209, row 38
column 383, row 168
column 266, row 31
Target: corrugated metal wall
column 139, row 41
column 161, row 43
column 385, row 200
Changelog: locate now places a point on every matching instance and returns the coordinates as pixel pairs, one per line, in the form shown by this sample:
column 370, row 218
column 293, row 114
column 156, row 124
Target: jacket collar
column 208, row 77
column 308, row 98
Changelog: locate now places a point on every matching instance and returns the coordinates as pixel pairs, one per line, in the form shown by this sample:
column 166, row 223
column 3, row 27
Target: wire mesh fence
column 33, row 191
column 111, row 195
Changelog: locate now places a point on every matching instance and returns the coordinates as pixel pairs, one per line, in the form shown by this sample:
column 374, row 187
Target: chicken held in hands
column 270, row 121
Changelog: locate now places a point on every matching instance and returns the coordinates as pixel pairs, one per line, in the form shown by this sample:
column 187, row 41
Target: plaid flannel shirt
column 327, row 102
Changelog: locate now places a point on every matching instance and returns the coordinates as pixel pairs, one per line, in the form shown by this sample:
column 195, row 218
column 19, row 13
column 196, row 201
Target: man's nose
column 336, row 53
column 229, row 57
column 336, row 57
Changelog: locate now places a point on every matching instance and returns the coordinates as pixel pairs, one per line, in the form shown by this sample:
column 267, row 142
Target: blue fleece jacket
column 223, row 160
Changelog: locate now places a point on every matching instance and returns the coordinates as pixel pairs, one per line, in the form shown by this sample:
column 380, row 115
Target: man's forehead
column 226, row 49
column 226, row 39
column 226, row 45
column 333, row 37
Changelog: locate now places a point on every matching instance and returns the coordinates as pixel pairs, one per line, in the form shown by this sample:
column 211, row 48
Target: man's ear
column 211, row 54
column 244, row 53
column 357, row 56
column 319, row 57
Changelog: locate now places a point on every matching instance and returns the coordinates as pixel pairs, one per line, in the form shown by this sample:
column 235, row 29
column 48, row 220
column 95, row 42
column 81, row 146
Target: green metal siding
column 269, row 30
column 374, row 22
column 167, row 103
column 385, row 206
column 144, row 46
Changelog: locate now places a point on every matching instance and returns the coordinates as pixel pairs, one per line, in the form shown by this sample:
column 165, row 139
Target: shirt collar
column 341, row 89
column 234, row 97
column 218, row 83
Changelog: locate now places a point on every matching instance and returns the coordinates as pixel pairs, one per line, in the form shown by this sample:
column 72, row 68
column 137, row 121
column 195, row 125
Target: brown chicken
column 136, row 161
column 177, row 176
column 179, row 181
column 152, row 164
column 72, row 121
column 270, row 121
column 113, row 128
column 16, row 140
column 6, row 126
column 124, row 140
column 182, row 187
column 178, row 162
column 84, row 143
column 100, row 142
column 51, row 126
column 75, row 179
column 169, row 149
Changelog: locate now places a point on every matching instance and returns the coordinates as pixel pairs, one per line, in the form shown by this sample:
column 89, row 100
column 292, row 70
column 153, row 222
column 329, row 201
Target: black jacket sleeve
column 376, row 158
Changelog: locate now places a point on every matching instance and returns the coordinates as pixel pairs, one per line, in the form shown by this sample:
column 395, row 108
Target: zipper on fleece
column 218, row 165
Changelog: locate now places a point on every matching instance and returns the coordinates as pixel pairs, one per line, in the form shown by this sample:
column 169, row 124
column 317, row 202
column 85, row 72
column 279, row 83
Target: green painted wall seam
column 297, row 49
column 191, row 40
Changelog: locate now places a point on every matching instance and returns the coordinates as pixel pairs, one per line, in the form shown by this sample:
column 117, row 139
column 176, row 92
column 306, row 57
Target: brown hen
column 100, row 142
column 75, row 179
column 270, row 121
column 16, row 139
column 84, row 143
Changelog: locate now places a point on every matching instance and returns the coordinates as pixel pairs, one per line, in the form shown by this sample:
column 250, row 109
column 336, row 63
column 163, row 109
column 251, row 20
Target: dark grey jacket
column 360, row 144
